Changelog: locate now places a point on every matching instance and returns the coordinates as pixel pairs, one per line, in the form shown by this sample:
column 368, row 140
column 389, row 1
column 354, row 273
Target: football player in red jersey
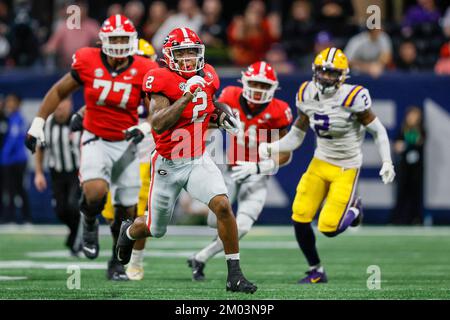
column 263, row 119
column 111, row 78
column 181, row 104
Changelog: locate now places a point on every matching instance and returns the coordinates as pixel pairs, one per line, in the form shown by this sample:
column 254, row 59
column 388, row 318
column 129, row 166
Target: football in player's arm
column 339, row 114
column 181, row 104
column 261, row 118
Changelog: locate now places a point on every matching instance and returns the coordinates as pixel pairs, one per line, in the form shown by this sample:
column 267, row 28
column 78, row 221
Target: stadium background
column 392, row 92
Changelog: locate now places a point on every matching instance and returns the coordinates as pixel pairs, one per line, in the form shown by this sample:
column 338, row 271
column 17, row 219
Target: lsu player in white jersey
column 339, row 114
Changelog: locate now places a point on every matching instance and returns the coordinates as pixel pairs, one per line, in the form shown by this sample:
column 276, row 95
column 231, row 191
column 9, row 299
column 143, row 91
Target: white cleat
column 135, row 272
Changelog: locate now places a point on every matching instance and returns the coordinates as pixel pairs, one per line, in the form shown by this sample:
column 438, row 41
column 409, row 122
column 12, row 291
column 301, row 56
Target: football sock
column 350, row 215
column 307, row 242
column 137, row 258
column 209, row 251
column 233, row 256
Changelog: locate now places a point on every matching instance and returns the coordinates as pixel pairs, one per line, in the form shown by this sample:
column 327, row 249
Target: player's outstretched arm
column 378, row 131
column 60, row 90
column 291, row 141
column 164, row 115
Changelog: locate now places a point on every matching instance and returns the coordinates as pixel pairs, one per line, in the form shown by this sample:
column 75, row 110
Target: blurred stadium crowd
column 415, row 35
column 415, row 38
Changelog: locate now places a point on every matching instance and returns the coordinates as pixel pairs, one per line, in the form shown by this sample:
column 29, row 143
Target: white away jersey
column 339, row 134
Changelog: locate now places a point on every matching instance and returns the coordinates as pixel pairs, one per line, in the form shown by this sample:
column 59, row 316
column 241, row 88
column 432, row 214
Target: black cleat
column 197, row 269
column 124, row 246
column 90, row 243
column 116, row 271
column 236, row 281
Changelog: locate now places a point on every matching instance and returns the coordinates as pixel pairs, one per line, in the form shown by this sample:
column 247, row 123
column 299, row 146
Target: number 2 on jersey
column 325, row 126
column 199, row 107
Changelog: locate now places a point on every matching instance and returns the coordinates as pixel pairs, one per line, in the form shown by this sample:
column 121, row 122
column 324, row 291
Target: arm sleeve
column 291, row 141
column 378, row 131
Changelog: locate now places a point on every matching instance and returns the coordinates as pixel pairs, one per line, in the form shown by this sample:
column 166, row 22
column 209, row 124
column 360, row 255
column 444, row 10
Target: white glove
column 194, row 84
column 387, row 172
column 264, row 150
column 35, row 134
column 232, row 125
column 244, row 169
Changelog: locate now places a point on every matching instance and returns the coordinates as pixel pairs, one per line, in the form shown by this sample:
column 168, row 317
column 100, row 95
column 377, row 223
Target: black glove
column 134, row 134
column 76, row 122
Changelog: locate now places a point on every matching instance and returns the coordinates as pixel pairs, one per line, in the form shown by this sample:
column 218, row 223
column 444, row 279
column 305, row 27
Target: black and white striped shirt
column 63, row 146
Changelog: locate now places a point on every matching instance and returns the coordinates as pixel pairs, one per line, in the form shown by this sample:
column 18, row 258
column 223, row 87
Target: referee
column 63, row 160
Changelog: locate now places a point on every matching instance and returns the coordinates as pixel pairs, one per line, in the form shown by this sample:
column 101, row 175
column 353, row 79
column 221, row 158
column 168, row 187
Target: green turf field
column 414, row 264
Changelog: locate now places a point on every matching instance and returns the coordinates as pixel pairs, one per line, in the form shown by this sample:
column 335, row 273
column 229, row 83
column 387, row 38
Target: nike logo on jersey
column 127, row 77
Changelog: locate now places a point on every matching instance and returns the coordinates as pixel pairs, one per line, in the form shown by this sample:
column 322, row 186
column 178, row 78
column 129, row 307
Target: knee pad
column 94, row 208
column 244, row 224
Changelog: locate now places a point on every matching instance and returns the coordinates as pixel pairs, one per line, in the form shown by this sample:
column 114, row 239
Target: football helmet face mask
column 184, row 52
column 259, row 83
column 118, row 37
column 330, row 69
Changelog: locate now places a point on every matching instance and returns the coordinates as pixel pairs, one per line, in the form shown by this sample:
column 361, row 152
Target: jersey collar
column 251, row 113
column 115, row 72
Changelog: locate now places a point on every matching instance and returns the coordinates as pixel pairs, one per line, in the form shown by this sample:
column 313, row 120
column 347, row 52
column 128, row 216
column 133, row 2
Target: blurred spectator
column 157, row 14
column 22, row 37
column 445, row 24
column 64, row 42
column 278, row 58
column 4, row 43
column 424, row 12
column 322, row 41
column 407, row 59
column 369, row 52
column 3, row 131
column 250, row 36
column 134, row 10
column 299, row 31
column 113, row 9
column 213, row 32
column 188, row 16
column 409, row 149
column 333, row 16
column 14, row 162
column 63, row 161
column 442, row 66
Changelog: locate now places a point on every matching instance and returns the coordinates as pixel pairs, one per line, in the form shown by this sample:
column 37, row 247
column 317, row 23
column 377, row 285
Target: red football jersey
column 111, row 96
column 186, row 138
column 259, row 125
